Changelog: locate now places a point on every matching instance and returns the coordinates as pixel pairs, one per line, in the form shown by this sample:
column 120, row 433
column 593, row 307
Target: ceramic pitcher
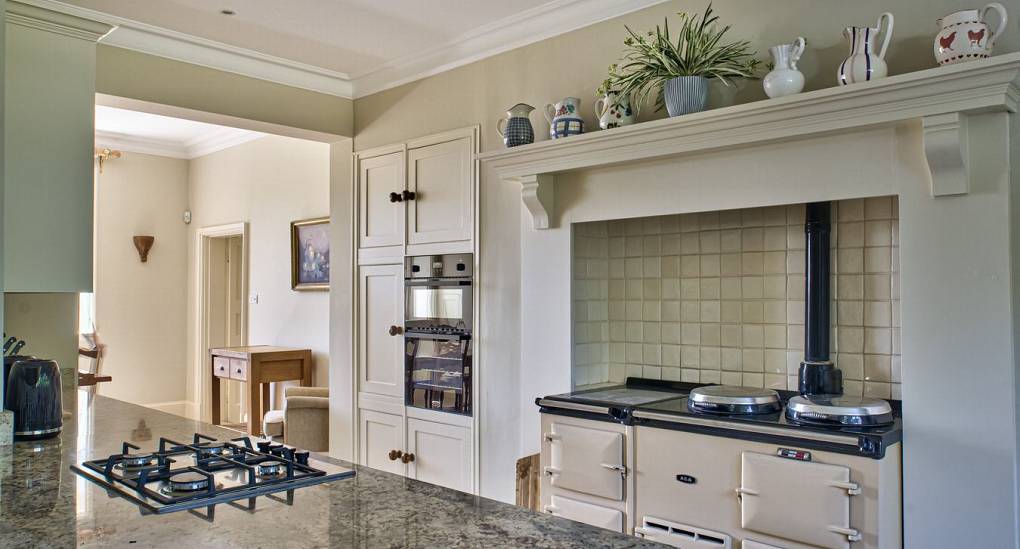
column 965, row 35
column 564, row 118
column 864, row 63
column 613, row 111
column 516, row 128
column 784, row 78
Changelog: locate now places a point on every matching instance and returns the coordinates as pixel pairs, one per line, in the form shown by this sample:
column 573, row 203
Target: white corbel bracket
column 537, row 195
column 946, row 150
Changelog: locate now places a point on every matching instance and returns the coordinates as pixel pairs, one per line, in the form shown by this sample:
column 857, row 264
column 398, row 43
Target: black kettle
column 33, row 394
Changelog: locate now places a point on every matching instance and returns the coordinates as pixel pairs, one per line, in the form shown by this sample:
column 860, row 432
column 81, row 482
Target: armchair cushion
column 272, row 423
column 320, row 392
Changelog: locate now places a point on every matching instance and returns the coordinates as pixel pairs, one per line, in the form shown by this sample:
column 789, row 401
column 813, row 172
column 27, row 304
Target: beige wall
column 135, row 75
column 574, row 64
column 140, row 306
column 268, row 183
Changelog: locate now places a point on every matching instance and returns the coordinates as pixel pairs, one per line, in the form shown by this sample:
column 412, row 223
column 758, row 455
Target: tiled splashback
column 718, row 297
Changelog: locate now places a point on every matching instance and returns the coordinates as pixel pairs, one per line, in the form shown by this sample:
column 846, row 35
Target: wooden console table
column 258, row 366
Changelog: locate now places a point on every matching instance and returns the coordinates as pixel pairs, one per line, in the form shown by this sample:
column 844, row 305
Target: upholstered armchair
column 304, row 420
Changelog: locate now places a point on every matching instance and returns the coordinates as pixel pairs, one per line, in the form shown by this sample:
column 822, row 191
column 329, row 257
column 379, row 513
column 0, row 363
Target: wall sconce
column 143, row 244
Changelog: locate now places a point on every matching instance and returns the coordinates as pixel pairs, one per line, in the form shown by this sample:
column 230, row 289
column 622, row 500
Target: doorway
column 222, row 313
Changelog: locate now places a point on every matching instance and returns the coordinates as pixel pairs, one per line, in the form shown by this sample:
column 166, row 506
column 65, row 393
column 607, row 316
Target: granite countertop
column 44, row 504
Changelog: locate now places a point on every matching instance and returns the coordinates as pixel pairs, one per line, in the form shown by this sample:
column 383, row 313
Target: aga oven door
column 438, row 304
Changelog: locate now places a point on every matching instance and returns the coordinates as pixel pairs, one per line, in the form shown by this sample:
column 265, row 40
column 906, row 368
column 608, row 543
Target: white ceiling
column 162, row 135
column 348, row 48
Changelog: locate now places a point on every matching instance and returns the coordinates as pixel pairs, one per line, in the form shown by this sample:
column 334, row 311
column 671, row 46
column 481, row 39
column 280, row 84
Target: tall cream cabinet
column 413, row 198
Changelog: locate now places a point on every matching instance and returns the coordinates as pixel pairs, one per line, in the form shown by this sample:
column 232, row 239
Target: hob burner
column 187, row 481
column 213, row 451
column 731, row 400
column 271, row 468
column 838, row 411
column 135, row 461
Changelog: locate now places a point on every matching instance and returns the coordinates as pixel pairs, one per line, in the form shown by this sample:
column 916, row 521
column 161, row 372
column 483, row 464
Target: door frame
column 201, row 366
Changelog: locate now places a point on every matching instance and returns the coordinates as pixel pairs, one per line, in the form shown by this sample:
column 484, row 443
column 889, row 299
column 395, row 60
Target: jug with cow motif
column 965, row 35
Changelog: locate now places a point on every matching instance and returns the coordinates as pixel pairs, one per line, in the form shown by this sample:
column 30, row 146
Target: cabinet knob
column 394, row 197
column 396, row 330
column 407, row 458
column 395, row 455
column 408, row 195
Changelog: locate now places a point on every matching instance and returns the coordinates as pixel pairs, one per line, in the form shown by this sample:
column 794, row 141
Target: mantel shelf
column 941, row 98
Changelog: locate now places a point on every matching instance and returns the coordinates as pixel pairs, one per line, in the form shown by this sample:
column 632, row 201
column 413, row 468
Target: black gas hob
column 664, row 404
column 177, row 476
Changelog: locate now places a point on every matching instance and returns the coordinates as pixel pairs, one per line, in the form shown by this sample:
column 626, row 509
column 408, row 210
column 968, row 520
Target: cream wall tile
column 878, row 233
column 689, row 222
column 850, row 210
column 690, row 334
column 795, row 337
column 690, row 311
column 708, row 220
column 730, row 378
column 753, row 360
column 710, row 311
column 852, row 365
column 774, row 262
column 795, row 238
column 850, row 235
column 690, row 288
column 671, row 311
column 710, row 358
column 671, row 355
column 690, row 375
column 671, row 288
column 729, row 265
column 850, row 260
column 731, row 359
column 795, row 287
column 752, row 287
column 752, row 239
column 652, row 354
column 877, row 368
column 877, row 390
column 670, row 266
column 690, row 243
column 652, row 267
column 775, row 335
column 878, row 208
column 850, row 340
column 752, row 263
column 651, row 332
column 710, row 265
column 690, row 355
column 710, row 335
column 634, row 288
column 709, row 242
column 877, row 313
column 774, row 238
column 670, row 223
column 878, row 287
column 729, row 219
column 671, row 374
column 775, row 361
column 651, row 246
column 710, row 288
column 671, row 244
column 878, row 341
column 752, row 312
column 752, row 380
column 850, row 313
column 730, row 335
column 652, row 311
column 878, row 260
column 775, row 312
column 651, row 372
column 651, row 288
column 690, row 266
column 773, row 216
column 775, row 381
column 730, row 311
column 795, row 312
column 774, row 287
column 633, row 267
column 652, row 225
column 795, row 262
column 730, row 287
column 850, row 287
column 752, row 217
column 729, row 240
column 710, row 376
column 753, row 336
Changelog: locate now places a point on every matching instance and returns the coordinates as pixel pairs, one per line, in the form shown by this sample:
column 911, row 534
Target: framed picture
column 309, row 254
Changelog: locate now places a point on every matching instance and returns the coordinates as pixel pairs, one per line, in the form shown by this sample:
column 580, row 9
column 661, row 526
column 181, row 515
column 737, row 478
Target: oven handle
column 439, row 282
column 440, row 337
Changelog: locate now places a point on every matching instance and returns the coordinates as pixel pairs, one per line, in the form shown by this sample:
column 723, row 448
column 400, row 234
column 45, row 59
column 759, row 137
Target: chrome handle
column 618, row 468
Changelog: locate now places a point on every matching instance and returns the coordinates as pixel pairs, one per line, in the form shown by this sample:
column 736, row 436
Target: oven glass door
column 438, row 372
column 432, row 304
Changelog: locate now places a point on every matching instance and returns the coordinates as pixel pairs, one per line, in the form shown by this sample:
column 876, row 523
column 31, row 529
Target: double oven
column 437, row 332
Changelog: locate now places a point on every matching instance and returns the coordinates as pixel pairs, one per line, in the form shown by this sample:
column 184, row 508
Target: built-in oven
column 437, row 332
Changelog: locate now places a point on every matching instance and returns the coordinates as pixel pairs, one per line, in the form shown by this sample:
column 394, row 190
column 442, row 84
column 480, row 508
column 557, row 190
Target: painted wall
column 574, row 64
column 269, row 183
column 48, row 322
column 140, row 307
column 131, row 74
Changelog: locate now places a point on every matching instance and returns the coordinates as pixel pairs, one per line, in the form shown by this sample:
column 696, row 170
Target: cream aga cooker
column 714, row 467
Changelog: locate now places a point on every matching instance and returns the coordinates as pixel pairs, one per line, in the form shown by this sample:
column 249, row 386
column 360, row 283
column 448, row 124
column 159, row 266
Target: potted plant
column 679, row 68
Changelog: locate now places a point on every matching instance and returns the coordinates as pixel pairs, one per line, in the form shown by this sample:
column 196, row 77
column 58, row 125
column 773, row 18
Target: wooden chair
column 93, row 350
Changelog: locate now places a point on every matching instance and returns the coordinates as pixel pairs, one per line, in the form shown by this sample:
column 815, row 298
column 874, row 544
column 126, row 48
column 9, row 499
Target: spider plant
column 650, row 60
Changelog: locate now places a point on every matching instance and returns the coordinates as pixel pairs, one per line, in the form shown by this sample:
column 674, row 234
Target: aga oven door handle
column 551, row 509
column 851, row 533
column 852, row 488
column 551, row 471
column 618, row 468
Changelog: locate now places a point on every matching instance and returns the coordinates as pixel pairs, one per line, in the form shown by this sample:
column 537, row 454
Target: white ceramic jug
column 965, row 35
column 784, row 78
column 864, row 63
column 613, row 111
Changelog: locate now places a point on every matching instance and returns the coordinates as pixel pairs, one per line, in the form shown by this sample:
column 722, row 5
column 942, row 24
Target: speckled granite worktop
column 44, row 504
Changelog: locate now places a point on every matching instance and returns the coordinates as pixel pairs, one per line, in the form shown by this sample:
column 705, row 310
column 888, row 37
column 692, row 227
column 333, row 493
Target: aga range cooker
column 725, row 466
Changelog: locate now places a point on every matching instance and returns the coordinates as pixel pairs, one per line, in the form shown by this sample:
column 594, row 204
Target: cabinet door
column 379, row 434
column 442, row 454
column 588, row 513
column 586, row 460
column 381, row 222
column 380, row 307
column 441, row 177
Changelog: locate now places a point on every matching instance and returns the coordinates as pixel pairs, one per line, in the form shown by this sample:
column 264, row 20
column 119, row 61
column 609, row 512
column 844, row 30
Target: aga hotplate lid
column 728, row 399
column 839, row 410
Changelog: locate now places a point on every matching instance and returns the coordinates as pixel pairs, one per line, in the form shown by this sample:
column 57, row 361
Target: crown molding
column 206, row 144
column 530, row 26
column 28, row 14
column 527, row 27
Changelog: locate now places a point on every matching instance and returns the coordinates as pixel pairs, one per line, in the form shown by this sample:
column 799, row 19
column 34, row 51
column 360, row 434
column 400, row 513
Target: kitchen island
column 44, row 504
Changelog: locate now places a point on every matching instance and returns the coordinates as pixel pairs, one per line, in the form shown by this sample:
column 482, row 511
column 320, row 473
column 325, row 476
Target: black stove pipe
column 817, row 373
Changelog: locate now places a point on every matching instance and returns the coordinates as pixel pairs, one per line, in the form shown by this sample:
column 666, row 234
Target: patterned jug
column 965, row 35
column 516, row 128
column 564, row 118
column 863, row 63
column 613, row 111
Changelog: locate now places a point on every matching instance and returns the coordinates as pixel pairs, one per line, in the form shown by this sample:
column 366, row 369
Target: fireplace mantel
column 941, row 98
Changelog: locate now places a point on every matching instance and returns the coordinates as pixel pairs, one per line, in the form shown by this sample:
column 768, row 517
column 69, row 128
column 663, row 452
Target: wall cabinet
column 417, row 195
column 380, row 322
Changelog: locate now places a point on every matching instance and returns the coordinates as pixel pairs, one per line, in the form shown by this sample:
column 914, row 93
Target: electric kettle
column 33, row 394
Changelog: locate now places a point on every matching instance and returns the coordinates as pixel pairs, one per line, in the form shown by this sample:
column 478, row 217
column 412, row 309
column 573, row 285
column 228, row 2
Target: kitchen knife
column 7, row 344
column 17, row 347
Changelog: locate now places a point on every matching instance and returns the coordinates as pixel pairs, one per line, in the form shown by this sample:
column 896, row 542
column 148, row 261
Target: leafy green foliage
column 698, row 49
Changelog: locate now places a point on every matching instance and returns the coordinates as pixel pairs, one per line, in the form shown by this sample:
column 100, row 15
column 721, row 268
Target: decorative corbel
column 537, row 195
column 946, row 150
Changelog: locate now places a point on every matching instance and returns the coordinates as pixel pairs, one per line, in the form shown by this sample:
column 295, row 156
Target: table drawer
column 239, row 369
column 221, row 366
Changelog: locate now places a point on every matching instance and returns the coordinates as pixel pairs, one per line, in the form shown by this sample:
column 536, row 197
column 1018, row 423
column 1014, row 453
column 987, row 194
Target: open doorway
column 223, row 314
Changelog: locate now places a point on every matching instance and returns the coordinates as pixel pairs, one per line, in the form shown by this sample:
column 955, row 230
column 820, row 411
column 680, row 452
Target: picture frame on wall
column 309, row 254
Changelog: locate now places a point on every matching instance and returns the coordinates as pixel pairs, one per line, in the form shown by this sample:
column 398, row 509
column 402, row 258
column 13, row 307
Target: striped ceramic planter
column 685, row 94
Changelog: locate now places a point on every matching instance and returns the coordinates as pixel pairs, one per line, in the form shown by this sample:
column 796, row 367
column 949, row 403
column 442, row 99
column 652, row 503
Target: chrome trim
column 839, row 406
column 39, row 432
column 723, row 394
column 734, row 426
column 546, row 403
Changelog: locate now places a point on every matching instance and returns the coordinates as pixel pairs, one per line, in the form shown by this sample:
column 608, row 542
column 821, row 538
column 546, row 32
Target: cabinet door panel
column 381, row 221
column 379, row 434
column 441, row 176
column 442, row 454
column 380, row 306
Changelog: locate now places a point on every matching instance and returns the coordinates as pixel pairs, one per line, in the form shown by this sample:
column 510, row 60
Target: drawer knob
column 396, row 330
column 407, row 458
column 239, row 370
column 395, row 455
column 394, row 197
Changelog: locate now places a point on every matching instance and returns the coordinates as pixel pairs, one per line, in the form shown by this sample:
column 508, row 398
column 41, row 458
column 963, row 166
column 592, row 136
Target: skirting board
column 181, row 408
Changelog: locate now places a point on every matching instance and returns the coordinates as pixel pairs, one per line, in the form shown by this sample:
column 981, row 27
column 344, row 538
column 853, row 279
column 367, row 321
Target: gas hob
column 177, row 476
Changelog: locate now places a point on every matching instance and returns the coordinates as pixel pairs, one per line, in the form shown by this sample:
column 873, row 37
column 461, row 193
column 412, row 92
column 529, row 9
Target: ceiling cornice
column 28, row 14
column 534, row 25
column 206, row 144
